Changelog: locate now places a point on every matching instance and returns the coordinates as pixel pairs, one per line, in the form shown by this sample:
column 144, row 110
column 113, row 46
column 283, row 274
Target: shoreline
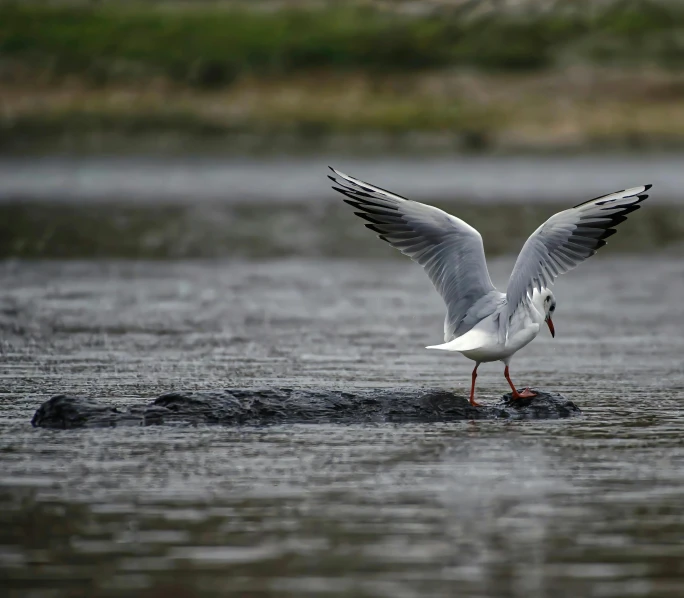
column 442, row 112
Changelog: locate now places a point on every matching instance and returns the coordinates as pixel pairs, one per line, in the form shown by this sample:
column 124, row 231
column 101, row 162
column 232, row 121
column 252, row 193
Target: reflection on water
column 584, row 507
column 202, row 207
column 243, row 230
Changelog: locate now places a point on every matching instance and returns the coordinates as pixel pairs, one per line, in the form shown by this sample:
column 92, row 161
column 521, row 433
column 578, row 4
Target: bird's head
column 549, row 307
column 544, row 303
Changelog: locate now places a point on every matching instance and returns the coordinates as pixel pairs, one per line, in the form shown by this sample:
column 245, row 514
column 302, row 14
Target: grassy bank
column 572, row 76
column 211, row 46
column 571, row 110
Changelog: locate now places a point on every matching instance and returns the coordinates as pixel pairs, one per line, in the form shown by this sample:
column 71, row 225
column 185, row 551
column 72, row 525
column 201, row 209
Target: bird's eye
column 552, row 308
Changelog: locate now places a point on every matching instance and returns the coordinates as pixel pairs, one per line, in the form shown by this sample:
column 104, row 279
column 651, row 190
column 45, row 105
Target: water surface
column 479, row 178
column 584, row 507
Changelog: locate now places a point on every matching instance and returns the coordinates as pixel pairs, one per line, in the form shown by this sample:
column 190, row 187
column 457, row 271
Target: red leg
column 525, row 394
column 472, row 388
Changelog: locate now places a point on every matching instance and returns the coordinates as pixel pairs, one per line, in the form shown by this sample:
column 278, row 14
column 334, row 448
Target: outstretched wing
column 568, row 238
column 450, row 251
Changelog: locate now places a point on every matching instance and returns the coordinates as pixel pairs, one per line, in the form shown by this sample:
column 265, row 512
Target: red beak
column 549, row 323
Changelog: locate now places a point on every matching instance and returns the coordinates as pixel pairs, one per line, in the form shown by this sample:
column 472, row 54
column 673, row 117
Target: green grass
column 97, row 72
column 211, row 47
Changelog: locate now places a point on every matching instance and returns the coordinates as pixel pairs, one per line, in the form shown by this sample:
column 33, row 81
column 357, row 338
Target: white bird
column 481, row 322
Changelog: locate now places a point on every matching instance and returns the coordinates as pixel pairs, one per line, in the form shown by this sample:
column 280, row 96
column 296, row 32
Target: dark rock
column 546, row 405
column 243, row 406
column 66, row 411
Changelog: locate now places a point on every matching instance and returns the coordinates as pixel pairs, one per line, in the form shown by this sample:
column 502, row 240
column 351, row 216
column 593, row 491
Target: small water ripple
column 584, row 507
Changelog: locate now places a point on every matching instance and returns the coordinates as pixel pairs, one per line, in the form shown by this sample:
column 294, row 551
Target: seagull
column 482, row 323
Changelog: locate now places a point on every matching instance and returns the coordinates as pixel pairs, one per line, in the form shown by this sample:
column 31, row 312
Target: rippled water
column 584, row 507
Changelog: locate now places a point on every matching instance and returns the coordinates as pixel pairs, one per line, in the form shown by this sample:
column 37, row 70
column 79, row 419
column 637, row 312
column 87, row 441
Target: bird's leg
column 525, row 394
column 472, row 388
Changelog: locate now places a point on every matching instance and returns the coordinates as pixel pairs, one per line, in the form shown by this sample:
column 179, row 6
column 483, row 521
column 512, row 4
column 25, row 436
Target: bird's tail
column 473, row 339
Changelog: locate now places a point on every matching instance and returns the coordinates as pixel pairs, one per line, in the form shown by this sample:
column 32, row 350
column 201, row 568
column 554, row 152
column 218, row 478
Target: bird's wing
column 450, row 251
column 568, row 238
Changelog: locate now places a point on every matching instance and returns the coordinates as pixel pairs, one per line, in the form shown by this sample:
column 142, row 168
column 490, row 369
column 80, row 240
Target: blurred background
column 183, row 118
column 166, row 223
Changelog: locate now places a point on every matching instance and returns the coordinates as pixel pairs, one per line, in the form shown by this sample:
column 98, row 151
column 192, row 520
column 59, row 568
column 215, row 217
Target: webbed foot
column 525, row 394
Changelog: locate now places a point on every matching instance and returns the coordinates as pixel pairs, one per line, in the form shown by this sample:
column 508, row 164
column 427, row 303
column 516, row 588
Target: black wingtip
column 375, row 229
column 647, row 187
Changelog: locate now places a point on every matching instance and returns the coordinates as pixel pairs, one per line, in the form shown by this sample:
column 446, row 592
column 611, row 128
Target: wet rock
column 546, row 405
column 66, row 411
column 246, row 406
